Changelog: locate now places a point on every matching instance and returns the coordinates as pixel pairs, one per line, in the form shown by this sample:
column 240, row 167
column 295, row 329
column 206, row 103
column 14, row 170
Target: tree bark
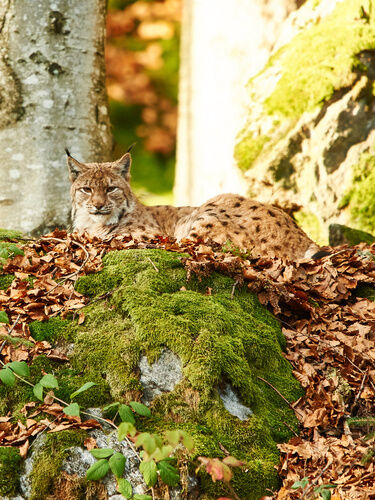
column 52, row 95
column 223, row 44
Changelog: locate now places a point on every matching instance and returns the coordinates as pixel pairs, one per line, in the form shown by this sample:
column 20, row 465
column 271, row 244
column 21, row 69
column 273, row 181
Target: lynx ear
column 75, row 167
column 123, row 165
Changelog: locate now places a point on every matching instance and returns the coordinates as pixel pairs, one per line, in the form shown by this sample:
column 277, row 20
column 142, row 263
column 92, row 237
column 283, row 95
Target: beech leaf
column 49, row 381
column 7, row 376
column 4, row 317
column 72, row 410
column 102, row 452
column 20, row 367
column 126, row 414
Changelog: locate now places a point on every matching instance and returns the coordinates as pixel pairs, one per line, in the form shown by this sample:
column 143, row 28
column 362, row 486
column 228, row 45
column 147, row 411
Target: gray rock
column 79, row 460
column 161, row 376
column 233, row 404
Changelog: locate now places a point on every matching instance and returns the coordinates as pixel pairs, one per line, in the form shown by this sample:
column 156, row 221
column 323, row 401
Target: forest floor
column 327, row 313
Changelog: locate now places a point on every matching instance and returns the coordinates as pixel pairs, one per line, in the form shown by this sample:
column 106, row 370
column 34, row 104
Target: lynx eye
column 111, row 189
column 86, row 190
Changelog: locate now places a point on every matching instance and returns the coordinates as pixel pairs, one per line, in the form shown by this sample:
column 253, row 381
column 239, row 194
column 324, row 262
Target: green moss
column 9, row 471
column 48, row 330
column 48, row 461
column 248, row 149
column 365, row 290
column 361, row 198
column 7, row 234
column 6, row 281
column 216, row 337
column 327, row 53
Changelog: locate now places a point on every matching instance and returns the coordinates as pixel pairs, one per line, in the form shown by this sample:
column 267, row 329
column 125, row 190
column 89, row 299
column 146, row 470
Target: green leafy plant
column 229, row 247
column 8, row 250
column 323, row 490
column 155, row 452
column 4, row 317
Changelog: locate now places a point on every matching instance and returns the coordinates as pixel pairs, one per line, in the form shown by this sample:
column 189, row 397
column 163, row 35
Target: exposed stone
column 232, row 402
column 161, row 376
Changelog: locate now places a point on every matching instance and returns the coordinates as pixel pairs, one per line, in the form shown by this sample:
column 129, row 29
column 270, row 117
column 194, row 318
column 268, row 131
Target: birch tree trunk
column 223, row 44
column 52, row 95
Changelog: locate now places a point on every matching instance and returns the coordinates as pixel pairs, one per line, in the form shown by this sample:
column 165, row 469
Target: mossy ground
column 218, row 338
column 9, row 463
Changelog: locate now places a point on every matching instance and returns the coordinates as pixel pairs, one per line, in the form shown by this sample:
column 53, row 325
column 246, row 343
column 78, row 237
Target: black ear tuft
column 131, row 147
column 67, row 152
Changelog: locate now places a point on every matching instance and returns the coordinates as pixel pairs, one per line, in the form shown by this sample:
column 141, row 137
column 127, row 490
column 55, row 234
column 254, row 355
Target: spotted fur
column 103, row 204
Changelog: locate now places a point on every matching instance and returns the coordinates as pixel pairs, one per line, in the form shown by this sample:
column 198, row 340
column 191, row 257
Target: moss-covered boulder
column 310, row 131
column 143, row 306
column 340, row 234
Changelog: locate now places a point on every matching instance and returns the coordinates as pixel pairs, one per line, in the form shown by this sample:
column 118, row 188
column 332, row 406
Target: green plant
column 322, row 490
column 156, row 454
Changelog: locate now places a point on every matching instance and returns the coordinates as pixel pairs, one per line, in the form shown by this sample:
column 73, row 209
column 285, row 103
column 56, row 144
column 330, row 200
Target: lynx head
column 100, row 192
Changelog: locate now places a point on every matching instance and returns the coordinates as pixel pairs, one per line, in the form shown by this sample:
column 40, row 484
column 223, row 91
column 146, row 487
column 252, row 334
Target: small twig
column 2, row 345
column 153, row 265
column 153, row 493
column 233, row 289
column 360, row 389
column 277, row 392
column 14, row 324
column 334, row 254
column 314, row 482
column 290, row 428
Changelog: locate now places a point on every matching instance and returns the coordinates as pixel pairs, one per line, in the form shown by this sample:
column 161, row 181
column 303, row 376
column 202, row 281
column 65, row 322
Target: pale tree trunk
column 223, row 44
column 52, row 95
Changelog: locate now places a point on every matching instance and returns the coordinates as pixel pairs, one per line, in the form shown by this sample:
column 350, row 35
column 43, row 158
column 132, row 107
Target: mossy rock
column 340, row 234
column 219, row 339
column 312, row 104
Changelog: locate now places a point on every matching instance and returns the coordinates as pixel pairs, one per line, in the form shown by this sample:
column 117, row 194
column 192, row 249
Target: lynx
column 104, row 205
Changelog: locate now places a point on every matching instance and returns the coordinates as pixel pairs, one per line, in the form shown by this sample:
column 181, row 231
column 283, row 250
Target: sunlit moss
column 9, row 471
column 320, row 60
column 361, row 199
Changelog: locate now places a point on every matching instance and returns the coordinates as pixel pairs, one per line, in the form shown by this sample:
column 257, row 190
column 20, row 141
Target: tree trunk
column 52, row 95
column 223, row 44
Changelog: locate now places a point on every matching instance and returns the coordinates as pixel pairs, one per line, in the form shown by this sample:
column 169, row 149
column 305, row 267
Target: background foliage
column 142, row 60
